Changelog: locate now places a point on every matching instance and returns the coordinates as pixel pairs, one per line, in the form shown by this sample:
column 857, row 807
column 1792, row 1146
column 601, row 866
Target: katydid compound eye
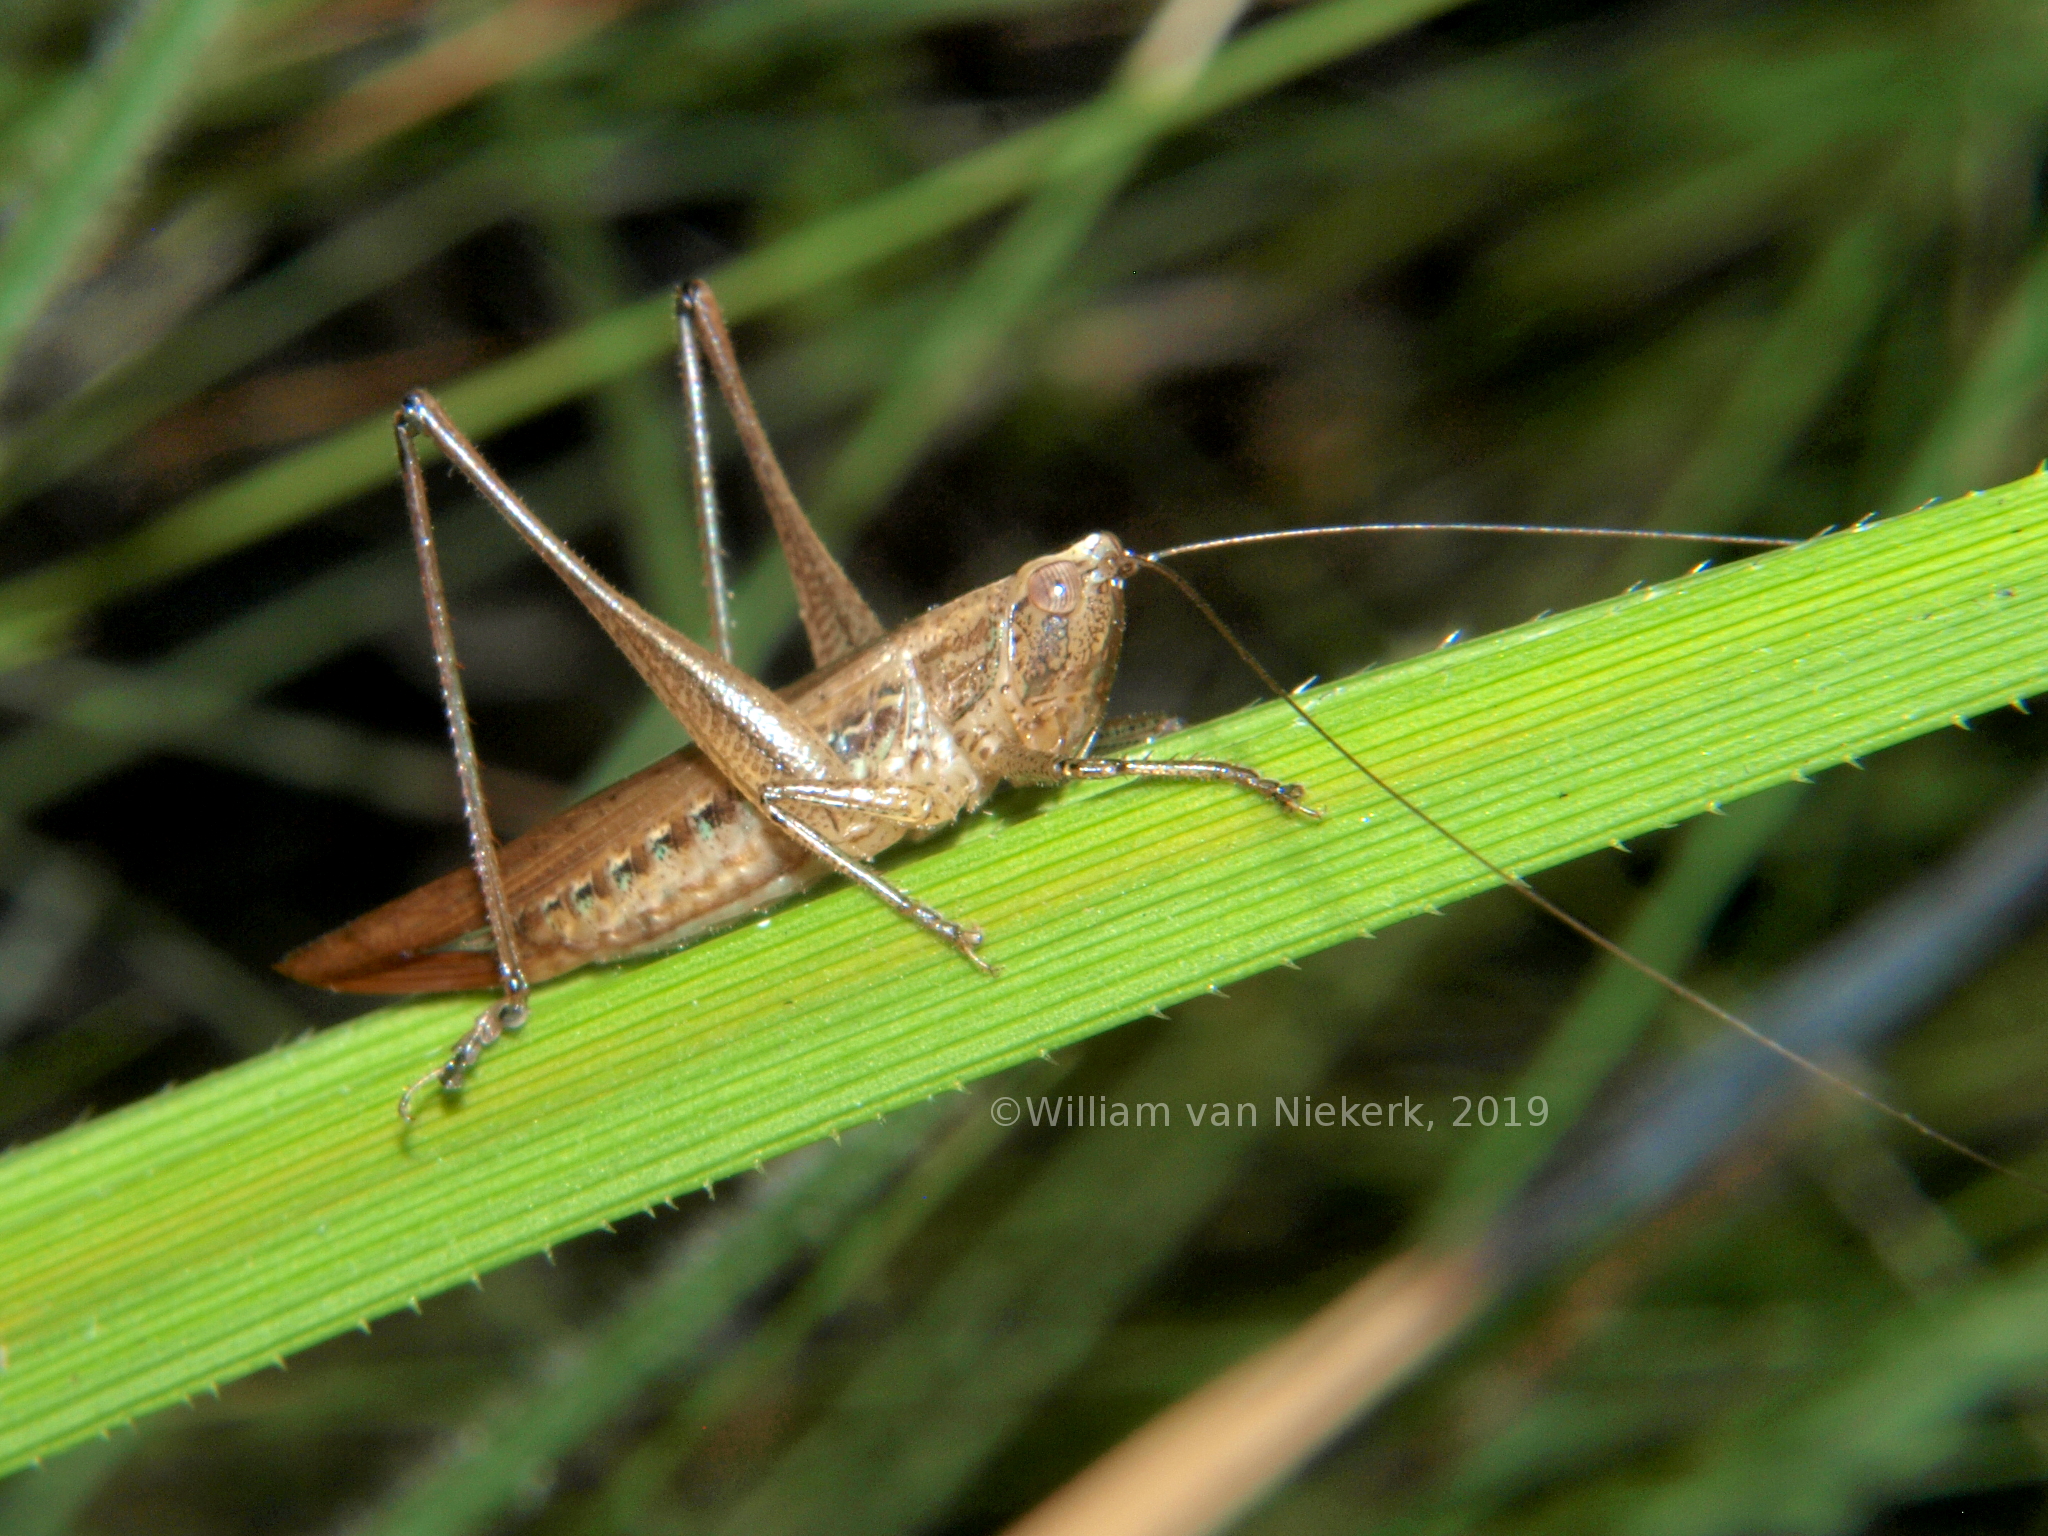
column 1055, row 587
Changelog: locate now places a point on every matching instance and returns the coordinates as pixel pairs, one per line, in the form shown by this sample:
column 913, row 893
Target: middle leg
column 1195, row 770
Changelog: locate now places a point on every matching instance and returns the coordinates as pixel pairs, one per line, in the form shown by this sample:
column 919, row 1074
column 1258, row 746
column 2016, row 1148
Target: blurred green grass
column 1768, row 268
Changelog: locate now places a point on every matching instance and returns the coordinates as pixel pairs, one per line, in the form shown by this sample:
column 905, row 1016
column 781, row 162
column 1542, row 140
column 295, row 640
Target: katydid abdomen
column 649, row 863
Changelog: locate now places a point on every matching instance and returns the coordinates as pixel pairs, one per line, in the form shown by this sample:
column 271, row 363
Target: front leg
column 1200, row 770
column 1024, row 767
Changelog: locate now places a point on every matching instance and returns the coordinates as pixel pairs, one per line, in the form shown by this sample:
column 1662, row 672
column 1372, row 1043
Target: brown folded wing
column 402, row 945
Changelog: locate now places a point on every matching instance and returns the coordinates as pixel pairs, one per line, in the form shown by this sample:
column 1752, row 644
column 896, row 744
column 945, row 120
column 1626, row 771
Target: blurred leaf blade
column 711, row 1276
column 120, row 111
column 1096, row 1222
column 1880, row 1426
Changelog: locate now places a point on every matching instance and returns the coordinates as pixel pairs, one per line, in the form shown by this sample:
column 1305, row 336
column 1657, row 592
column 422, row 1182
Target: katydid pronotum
column 895, row 735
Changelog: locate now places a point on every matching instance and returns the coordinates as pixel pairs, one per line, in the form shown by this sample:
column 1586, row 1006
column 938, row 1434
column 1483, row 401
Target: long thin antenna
column 1586, row 931
column 1656, row 535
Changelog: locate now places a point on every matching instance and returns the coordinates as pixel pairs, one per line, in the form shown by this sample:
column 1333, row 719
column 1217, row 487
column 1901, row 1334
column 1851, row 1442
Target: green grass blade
column 1883, row 1422
column 203, row 1233
column 951, row 359
column 1798, row 365
column 118, row 114
column 1998, row 395
column 262, row 316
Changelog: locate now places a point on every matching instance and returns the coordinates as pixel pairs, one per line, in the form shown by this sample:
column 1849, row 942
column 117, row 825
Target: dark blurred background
column 1759, row 267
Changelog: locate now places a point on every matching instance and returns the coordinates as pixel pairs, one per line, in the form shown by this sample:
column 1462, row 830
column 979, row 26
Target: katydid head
column 1064, row 626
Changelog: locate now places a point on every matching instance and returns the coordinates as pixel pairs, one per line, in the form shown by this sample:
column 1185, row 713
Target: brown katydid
column 895, row 735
